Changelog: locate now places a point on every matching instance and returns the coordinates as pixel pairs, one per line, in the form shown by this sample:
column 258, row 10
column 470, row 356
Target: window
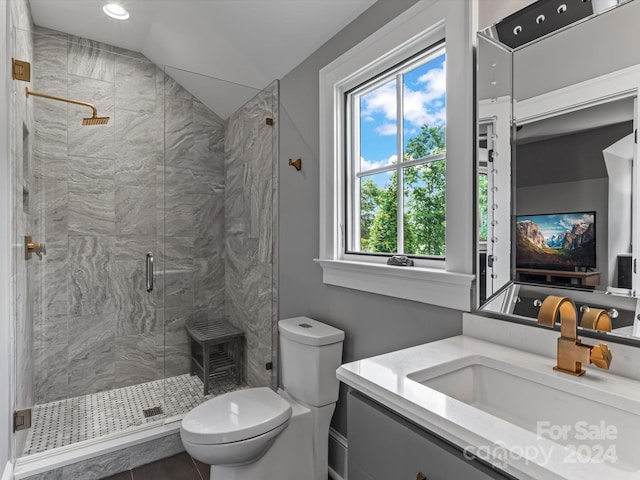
column 486, row 140
column 357, row 168
column 483, row 202
column 396, row 145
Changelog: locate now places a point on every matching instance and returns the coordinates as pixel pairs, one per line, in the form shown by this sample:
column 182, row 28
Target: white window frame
column 440, row 283
column 355, row 174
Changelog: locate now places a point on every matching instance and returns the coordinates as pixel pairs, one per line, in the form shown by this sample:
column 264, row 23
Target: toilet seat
column 235, row 416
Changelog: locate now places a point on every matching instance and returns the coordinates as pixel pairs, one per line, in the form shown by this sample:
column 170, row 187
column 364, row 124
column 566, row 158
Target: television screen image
column 559, row 241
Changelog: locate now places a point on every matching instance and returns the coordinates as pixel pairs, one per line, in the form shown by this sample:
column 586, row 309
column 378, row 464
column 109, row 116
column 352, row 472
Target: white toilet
column 257, row 434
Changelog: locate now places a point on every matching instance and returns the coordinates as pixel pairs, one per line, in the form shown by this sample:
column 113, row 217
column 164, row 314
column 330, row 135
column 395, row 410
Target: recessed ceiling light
column 115, row 11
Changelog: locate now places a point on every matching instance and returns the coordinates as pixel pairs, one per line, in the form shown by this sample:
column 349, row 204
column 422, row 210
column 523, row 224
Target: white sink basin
column 590, row 422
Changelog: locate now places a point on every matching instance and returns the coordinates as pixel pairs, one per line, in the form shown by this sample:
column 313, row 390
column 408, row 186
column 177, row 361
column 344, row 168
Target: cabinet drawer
column 384, row 446
column 356, row 472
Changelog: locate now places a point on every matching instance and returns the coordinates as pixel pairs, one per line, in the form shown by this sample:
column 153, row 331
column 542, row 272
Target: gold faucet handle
column 596, row 319
column 32, row 247
column 601, row 356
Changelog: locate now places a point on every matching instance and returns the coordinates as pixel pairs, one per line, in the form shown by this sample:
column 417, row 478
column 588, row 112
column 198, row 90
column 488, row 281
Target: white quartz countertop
column 513, row 449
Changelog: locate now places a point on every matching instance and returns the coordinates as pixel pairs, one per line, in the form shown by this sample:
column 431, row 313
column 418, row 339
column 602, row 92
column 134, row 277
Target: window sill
column 425, row 285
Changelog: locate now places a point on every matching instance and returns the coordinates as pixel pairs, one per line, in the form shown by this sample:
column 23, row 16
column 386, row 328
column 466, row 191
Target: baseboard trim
column 338, row 448
column 8, row 472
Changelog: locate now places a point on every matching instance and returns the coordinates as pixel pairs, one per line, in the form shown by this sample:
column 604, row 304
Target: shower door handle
column 149, row 272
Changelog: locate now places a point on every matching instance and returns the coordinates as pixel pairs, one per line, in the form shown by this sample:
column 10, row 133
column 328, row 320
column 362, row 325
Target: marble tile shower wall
column 103, row 192
column 251, row 232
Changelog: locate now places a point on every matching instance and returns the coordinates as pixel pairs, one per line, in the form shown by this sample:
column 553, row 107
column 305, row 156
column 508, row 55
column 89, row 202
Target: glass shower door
column 21, row 273
column 220, row 234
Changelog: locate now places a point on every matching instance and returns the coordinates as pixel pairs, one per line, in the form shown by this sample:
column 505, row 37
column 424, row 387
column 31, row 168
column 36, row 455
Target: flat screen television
column 556, row 241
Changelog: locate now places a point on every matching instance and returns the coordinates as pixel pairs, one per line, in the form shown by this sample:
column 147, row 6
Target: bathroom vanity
column 468, row 408
column 385, row 445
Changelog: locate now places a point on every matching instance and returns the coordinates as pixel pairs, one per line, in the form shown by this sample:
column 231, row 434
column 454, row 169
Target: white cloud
column 423, row 102
column 417, row 112
column 387, row 128
column 436, row 80
column 368, row 165
column 425, row 105
column 381, row 100
column 569, row 222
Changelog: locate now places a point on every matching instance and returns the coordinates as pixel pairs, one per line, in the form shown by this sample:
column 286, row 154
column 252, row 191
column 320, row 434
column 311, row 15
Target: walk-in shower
column 97, row 353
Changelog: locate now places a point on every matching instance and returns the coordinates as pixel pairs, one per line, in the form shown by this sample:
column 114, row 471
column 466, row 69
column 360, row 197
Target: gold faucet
column 572, row 353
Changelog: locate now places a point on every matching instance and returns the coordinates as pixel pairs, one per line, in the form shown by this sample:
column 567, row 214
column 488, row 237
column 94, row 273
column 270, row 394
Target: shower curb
column 104, row 457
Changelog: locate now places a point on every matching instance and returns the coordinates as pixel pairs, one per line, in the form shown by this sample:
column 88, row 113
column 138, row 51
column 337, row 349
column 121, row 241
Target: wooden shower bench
column 227, row 356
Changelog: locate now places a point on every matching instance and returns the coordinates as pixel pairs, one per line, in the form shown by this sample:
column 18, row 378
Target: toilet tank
column 310, row 353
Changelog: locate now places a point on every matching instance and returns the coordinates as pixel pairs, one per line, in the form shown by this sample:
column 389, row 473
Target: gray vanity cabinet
column 385, row 446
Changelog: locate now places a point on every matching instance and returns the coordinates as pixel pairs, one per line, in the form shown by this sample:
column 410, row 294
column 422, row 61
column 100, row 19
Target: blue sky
column 424, row 103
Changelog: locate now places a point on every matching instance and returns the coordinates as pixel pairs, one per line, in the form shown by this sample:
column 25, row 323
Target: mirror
column 557, row 189
column 494, row 91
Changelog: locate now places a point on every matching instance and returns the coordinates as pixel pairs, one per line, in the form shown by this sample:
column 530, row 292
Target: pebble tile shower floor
column 73, row 420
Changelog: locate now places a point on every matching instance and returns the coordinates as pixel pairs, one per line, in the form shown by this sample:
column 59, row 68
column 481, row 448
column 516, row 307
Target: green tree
column 369, row 193
column 424, row 202
column 483, row 192
column 425, row 193
column 429, row 141
column 383, row 234
column 425, row 208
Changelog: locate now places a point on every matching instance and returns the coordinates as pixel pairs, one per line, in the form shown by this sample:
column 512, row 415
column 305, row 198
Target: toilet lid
column 235, row 416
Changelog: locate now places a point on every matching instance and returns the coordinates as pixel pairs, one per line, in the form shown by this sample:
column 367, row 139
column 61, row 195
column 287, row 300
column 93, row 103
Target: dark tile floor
column 178, row 467
column 181, row 467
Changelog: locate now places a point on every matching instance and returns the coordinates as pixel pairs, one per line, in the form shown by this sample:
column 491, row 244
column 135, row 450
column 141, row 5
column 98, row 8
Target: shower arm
column 62, row 99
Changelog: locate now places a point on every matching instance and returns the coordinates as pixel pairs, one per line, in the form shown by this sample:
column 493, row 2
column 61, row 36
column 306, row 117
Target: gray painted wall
column 373, row 324
column 567, row 158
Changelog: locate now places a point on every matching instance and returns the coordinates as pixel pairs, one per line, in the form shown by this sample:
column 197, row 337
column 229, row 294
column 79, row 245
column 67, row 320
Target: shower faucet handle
column 30, row 248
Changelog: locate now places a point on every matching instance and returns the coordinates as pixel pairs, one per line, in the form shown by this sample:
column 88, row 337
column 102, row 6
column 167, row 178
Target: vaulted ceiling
column 220, row 50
